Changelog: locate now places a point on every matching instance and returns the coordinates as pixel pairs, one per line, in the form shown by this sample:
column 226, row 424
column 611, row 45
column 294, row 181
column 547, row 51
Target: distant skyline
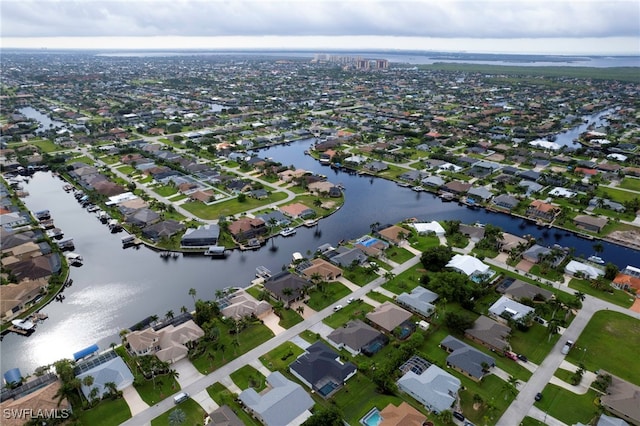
column 569, row 27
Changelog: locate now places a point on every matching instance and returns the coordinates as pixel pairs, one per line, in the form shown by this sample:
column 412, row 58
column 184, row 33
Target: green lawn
column 630, row 183
column 309, row 336
column 530, row 421
column 423, row 242
column 356, row 310
column 230, row 207
column 608, row 343
column 406, row 281
column 165, row 190
column 566, row 406
column 107, row 412
column 320, row 299
column 617, row 195
column 398, row 254
column 617, row 297
column 126, row 169
column 289, row 318
column 280, row 357
column 248, row 377
column 360, row 275
column 379, row 297
column 46, row 145
column 564, row 375
column 222, row 396
column 194, row 414
column 81, row 159
column 492, row 391
column 533, row 343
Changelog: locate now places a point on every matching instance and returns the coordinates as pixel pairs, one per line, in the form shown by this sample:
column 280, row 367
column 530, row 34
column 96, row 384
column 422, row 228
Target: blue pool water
column 327, row 389
column 369, row 242
column 372, row 418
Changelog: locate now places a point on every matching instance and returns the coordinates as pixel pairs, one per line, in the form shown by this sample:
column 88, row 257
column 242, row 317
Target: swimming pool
column 369, row 241
column 372, row 418
column 327, row 389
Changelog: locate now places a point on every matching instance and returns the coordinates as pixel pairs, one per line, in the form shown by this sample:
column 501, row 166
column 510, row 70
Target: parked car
column 511, row 355
column 458, row 416
column 522, row 358
column 337, row 308
column 567, row 346
column 538, row 396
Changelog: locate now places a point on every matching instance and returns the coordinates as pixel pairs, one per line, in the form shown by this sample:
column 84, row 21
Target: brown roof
column 393, row 233
column 599, row 222
column 542, row 206
column 293, row 210
column 489, row 332
column 388, row 316
column 402, row 415
column 43, row 399
column 327, row 270
column 623, row 399
column 244, row 224
column 624, row 280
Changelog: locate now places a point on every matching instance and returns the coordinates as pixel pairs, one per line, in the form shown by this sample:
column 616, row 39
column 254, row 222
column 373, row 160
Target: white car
column 337, row 308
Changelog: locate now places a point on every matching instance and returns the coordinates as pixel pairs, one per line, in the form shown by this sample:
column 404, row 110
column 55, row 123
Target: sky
column 484, row 26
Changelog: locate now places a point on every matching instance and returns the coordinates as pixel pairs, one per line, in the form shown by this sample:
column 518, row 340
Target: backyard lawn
column 194, row 415
column 280, row 357
column 107, row 412
column 607, row 343
column 378, row 297
column 223, row 396
column 248, row 377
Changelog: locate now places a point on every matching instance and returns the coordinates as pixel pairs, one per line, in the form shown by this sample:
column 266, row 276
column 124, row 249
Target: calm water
column 116, row 288
column 45, row 122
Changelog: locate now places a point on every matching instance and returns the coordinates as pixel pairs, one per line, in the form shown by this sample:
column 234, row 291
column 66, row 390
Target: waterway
column 45, row 121
column 115, row 288
column 568, row 138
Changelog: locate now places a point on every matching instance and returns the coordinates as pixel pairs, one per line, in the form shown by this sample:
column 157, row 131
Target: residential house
column 531, row 187
column 356, row 337
column 434, row 182
column 467, row 265
column 326, row 270
column 241, row 304
column 479, row 194
column 505, row 201
column 436, row 389
column 283, row 403
column 225, row 416
column 167, row 343
column 574, row 268
column 142, row 217
column 508, row 309
column 40, row 395
column 297, row 210
column 162, row 229
column 275, row 218
column 456, row 187
column 401, row 415
column 628, row 279
column 535, row 253
column 246, row 228
column 14, row 298
column 510, row 241
column 320, row 369
column 539, row 209
column 490, row 333
column 388, row 316
column 475, row 233
column 466, row 359
column 419, row 301
column 376, row 166
column 597, row 202
column 345, row 257
column 320, row 187
column 394, row 234
column 286, row 286
column 106, row 368
column 622, row 399
column 518, row 290
column 590, row 223
column 203, row 236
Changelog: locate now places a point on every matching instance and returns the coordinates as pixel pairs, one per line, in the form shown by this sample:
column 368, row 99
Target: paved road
column 202, row 383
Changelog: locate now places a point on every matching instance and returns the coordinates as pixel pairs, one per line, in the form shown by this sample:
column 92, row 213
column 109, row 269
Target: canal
column 116, row 287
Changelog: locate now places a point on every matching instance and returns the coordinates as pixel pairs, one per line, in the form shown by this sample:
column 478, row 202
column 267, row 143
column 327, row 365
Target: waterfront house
column 489, row 333
column 246, row 228
column 241, row 304
column 39, row 395
column 574, row 268
column 297, row 210
column 456, row 187
column 376, row 166
column 428, row 228
column 419, row 301
column 203, row 236
column 505, row 201
column 507, row 309
column 357, row 337
column 535, row 253
column 168, row 343
column 162, row 229
column 539, row 209
column 475, row 233
column 105, row 368
column 16, row 297
column 466, row 359
column 479, row 194
column 321, row 369
column 394, row 234
column 434, row 388
column 434, row 182
column 345, row 257
column 467, row 265
column 286, row 287
column 388, row 316
column 628, row 279
column 590, row 223
column 283, row 402
column 326, row 270
column 142, row 217
column 275, row 218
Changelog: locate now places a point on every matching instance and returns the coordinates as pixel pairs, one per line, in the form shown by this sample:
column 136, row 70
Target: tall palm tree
column 192, row 293
column 169, row 315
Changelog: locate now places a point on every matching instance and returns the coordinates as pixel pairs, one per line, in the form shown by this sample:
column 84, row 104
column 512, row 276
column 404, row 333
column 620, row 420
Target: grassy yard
column 194, row 414
column 309, row 336
column 289, row 318
column 617, row 297
column 533, row 343
column 566, row 406
column 406, row 281
column 248, row 377
column 46, row 145
column 423, row 242
column 280, row 357
column 165, row 190
column 320, row 299
column 81, row 159
column 617, row 195
column 126, row 169
column 379, row 297
column 230, row 207
column 356, row 310
column 222, row 396
column 607, row 343
column 398, row 254
column 630, row 183
column 493, row 393
column 530, row 421
column 107, row 412
column 360, row 275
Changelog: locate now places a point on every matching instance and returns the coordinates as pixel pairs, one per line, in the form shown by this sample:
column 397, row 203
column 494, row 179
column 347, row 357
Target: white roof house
column 510, row 308
column 434, row 388
column 468, row 265
column 543, row 143
column 562, row 192
column 587, row 270
column 424, row 228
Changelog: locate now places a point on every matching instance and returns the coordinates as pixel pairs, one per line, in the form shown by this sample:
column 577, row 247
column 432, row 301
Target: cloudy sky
column 515, row 26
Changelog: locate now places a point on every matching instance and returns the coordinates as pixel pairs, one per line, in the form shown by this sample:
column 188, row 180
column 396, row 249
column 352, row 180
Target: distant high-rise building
column 382, row 64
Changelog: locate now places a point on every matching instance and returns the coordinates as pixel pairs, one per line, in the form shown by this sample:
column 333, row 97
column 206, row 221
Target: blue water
column 373, row 418
column 327, row 389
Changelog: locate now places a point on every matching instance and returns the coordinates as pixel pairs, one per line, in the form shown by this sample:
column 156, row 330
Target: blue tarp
column 13, row 376
column 85, row 352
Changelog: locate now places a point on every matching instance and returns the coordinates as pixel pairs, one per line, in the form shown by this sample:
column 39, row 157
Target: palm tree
column 221, row 348
column 173, row 374
column 177, row 417
column 183, row 309
column 553, row 327
column 580, row 295
column 111, row 388
column 598, row 248
column 192, row 293
column 509, row 388
column 300, row 309
column 93, row 395
column 446, row 417
column 169, row 315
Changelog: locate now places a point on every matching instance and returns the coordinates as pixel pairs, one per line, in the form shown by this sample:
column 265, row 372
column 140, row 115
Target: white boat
column 24, row 324
column 595, row 259
column 128, row 239
column 287, row 231
column 263, row 272
column 215, row 251
column 74, row 258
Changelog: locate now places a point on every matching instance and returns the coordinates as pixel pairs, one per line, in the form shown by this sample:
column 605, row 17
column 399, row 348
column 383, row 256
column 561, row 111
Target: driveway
column 135, row 403
column 272, row 321
column 187, row 372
